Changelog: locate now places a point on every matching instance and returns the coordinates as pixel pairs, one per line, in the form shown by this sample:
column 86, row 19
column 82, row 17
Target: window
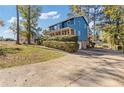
column 78, row 22
column 70, row 22
column 79, row 33
column 55, row 27
column 52, row 28
column 60, row 25
column 65, row 24
column 85, row 26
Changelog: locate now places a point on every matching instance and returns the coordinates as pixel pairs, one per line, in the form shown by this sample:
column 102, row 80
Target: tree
column 76, row 10
column 45, row 32
column 17, row 14
column 109, row 19
column 1, row 23
column 30, row 15
column 29, row 25
column 113, row 19
column 37, row 32
column 121, row 37
column 13, row 26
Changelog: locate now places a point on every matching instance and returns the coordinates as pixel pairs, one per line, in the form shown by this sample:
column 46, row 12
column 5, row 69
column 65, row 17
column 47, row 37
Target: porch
column 63, row 31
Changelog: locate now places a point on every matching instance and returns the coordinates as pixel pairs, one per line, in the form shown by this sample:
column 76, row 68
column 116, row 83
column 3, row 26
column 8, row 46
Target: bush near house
column 40, row 40
column 65, row 38
column 66, row 43
column 66, row 46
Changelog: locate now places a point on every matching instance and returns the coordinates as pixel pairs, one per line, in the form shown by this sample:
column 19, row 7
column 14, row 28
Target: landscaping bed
column 66, row 43
column 65, row 46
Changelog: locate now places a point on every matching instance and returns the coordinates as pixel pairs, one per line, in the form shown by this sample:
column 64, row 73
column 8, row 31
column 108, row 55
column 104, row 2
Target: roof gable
column 70, row 19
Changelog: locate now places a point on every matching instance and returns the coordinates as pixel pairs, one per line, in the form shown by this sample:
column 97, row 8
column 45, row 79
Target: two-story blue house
column 73, row 26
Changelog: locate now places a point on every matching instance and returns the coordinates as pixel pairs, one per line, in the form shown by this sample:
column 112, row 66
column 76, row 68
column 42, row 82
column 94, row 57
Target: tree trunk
column 94, row 21
column 29, row 26
column 123, row 47
column 88, row 15
column 17, row 14
column 117, row 28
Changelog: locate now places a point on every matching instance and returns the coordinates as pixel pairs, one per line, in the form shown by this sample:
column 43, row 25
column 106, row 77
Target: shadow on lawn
column 105, row 74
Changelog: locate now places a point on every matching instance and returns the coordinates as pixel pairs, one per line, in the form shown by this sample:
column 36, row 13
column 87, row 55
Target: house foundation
column 82, row 44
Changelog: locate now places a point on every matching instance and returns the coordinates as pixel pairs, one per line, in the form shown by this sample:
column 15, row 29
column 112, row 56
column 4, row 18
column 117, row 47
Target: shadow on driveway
column 100, row 54
column 108, row 71
column 105, row 74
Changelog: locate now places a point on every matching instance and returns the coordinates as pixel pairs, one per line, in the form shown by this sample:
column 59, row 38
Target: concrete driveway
column 85, row 68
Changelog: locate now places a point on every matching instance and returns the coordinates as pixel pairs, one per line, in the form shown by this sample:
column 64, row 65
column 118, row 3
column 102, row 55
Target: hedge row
column 65, row 38
column 66, row 46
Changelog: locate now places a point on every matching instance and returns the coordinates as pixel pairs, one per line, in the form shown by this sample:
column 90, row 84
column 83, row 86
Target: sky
column 50, row 14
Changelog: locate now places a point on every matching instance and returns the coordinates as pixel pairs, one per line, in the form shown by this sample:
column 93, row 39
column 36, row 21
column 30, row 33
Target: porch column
column 70, row 32
column 60, row 32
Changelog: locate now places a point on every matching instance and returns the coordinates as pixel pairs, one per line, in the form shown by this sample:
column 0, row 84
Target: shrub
column 91, row 44
column 4, row 51
column 9, row 39
column 65, row 38
column 119, row 47
column 65, row 46
column 39, row 41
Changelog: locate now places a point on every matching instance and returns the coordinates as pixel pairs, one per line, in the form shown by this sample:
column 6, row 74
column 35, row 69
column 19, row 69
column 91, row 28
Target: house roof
column 69, row 19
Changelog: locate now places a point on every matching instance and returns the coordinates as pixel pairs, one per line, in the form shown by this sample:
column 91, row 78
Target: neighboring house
column 73, row 26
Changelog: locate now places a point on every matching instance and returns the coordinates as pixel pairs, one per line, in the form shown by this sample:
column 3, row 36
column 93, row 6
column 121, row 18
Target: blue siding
column 79, row 25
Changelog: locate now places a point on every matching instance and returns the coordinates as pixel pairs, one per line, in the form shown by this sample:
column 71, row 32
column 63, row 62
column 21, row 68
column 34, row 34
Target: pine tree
column 30, row 14
column 17, row 14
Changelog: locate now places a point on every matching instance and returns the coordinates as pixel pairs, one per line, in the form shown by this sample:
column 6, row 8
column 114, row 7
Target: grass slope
column 14, row 55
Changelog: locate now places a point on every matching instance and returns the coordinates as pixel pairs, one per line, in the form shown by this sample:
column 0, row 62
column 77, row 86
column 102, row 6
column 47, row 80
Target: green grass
column 21, row 54
column 4, row 51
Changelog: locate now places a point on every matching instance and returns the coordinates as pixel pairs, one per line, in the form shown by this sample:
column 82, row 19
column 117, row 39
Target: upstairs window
column 79, row 33
column 71, row 22
column 78, row 22
column 52, row 28
column 85, row 26
column 55, row 27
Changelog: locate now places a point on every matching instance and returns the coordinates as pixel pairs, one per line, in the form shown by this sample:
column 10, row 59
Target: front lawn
column 14, row 55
